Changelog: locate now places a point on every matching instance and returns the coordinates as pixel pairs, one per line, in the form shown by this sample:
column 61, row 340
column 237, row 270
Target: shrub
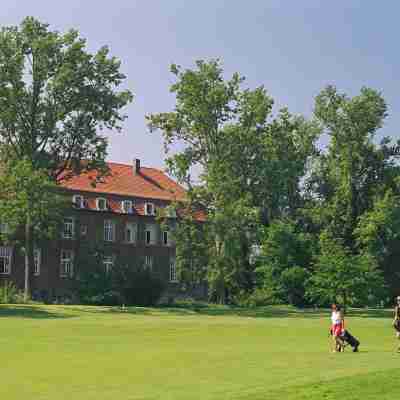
column 125, row 283
column 9, row 294
column 137, row 285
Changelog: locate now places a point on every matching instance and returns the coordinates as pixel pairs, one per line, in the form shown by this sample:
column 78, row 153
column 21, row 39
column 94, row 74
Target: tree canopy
column 55, row 100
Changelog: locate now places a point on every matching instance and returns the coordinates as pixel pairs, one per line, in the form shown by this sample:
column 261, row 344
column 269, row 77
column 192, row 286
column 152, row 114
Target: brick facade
column 86, row 226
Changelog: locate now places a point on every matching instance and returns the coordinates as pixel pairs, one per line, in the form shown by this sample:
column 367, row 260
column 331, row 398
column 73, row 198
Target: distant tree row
column 325, row 222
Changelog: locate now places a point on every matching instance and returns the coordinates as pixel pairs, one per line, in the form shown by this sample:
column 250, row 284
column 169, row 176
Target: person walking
column 396, row 321
column 337, row 328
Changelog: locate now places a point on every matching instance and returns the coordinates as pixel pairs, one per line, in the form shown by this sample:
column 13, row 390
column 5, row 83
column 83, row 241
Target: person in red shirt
column 396, row 321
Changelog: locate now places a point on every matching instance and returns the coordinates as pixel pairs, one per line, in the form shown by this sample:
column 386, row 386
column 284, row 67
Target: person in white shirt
column 337, row 327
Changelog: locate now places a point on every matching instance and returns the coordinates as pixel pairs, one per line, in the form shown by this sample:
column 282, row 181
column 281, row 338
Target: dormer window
column 101, row 204
column 78, row 201
column 149, row 209
column 126, row 206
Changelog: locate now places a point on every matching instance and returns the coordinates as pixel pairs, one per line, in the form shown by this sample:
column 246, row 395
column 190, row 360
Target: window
column 37, row 258
column 101, row 204
column 84, row 230
column 78, row 201
column 5, row 260
column 108, row 263
column 150, row 234
column 148, row 262
column 173, row 277
column 67, row 263
column 109, row 231
column 3, row 228
column 165, row 238
column 69, row 228
column 126, row 206
column 130, row 232
column 149, row 209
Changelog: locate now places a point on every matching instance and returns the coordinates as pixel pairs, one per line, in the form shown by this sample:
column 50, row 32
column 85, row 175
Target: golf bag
column 351, row 340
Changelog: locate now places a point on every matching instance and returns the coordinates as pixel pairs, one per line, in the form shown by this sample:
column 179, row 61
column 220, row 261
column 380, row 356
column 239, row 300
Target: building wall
column 50, row 285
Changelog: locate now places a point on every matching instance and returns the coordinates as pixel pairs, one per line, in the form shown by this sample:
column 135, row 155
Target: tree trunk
column 28, row 257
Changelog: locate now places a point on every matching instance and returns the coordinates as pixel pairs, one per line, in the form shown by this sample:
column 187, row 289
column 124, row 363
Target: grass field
column 70, row 352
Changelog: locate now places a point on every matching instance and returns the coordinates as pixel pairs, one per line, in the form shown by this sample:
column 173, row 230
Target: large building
column 119, row 212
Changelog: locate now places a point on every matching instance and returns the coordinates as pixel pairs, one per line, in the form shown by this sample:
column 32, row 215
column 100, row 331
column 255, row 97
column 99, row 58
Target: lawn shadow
column 189, row 310
column 204, row 309
column 369, row 313
column 246, row 312
column 33, row 312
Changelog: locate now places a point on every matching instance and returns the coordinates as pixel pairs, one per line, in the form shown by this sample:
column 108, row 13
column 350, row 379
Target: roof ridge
column 129, row 165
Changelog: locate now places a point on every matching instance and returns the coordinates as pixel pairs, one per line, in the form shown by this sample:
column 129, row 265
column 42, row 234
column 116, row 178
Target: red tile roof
column 150, row 183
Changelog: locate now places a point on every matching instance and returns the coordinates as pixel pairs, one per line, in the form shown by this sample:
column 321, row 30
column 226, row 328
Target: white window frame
column 152, row 230
column 98, row 199
column 4, row 228
column 81, row 203
column 37, row 261
column 148, row 262
column 68, row 233
column 6, row 255
column 127, row 206
column 173, row 277
column 109, row 230
column 66, row 263
column 151, row 212
column 132, row 226
column 165, row 234
column 108, row 263
column 83, row 230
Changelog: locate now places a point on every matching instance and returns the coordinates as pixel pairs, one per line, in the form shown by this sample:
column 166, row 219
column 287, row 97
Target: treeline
column 288, row 220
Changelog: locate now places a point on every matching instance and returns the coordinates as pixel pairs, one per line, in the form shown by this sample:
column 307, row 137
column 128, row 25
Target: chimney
column 136, row 166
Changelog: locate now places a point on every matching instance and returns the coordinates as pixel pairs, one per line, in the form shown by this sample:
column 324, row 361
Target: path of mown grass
column 61, row 352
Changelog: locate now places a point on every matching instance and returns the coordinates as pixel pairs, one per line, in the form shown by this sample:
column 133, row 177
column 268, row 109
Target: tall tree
column 340, row 276
column 285, row 261
column 226, row 132
column 378, row 233
column 28, row 198
column 354, row 171
column 55, row 98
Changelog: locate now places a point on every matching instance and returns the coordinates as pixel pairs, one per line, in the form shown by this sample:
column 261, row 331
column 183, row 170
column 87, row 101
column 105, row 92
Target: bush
column 125, row 284
column 258, row 297
column 143, row 288
column 9, row 294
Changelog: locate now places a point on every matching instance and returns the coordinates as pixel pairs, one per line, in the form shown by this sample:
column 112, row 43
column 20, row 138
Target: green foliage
column 251, row 168
column 125, row 283
column 55, row 99
column 29, row 191
column 378, row 233
column 9, row 294
column 54, row 96
column 340, row 276
column 346, row 180
column 283, row 266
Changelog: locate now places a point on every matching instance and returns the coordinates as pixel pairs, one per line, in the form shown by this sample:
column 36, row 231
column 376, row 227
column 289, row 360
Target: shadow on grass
column 217, row 310
column 369, row 313
column 206, row 310
column 182, row 310
column 34, row 312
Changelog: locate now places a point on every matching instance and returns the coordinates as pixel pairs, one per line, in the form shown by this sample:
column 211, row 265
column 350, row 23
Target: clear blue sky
column 294, row 48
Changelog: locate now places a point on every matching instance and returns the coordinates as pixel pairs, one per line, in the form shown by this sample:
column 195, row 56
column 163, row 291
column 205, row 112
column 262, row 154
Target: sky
column 293, row 48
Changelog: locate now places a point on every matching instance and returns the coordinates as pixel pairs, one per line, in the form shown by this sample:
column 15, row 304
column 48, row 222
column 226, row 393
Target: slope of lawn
column 71, row 352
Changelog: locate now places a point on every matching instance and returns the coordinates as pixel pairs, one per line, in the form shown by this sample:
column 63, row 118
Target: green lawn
column 68, row 352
